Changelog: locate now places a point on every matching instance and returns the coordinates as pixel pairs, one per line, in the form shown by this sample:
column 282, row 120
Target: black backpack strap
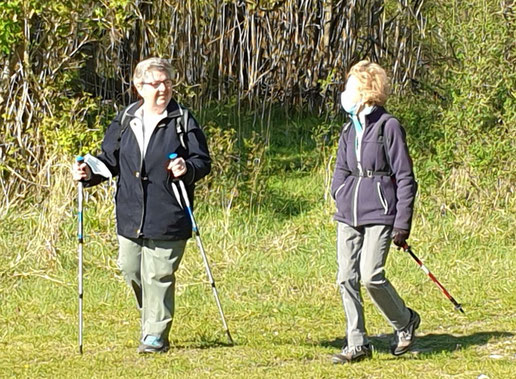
column 182, row 125
column 345, row 130
column 381, row 138
column 181, row 122
column 383, row 120
column 124, row 120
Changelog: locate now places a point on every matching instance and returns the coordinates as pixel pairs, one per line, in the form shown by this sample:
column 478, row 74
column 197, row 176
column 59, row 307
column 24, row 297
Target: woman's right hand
column 81, row 171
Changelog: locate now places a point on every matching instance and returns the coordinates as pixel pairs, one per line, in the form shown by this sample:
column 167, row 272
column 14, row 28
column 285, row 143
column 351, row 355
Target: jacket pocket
column 343, row 198
column 172, row 190
column 383, row 201
column 338, row 190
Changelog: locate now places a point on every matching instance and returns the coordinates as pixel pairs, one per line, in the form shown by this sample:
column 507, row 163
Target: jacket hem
column 361, row 222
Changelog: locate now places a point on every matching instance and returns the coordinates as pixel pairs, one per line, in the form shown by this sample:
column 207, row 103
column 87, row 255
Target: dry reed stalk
column 292, row 52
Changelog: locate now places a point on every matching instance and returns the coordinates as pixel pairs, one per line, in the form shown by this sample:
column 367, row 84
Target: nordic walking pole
column 80, row 160
column 195, row 229
column 407, row 249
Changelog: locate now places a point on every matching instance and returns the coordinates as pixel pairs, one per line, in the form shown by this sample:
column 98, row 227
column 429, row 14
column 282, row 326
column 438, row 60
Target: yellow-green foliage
column 69, row 132
column 459, row 112
column 237, row 168
column 264, row 212
column 66, row 66
column 461, row 124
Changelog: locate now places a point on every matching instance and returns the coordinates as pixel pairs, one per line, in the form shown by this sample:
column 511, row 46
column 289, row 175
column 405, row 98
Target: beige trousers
column 149, row 268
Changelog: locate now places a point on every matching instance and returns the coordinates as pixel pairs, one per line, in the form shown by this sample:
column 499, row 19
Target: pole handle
column 173, row 156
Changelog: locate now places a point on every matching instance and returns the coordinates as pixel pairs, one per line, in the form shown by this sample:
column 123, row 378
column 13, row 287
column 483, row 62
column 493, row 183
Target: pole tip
column 230, row 339
column 172, row 156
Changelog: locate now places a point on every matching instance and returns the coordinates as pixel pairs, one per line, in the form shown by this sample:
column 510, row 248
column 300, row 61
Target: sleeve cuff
column 189, row 177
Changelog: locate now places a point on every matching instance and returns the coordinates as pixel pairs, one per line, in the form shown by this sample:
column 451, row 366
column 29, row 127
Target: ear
column 139, row 88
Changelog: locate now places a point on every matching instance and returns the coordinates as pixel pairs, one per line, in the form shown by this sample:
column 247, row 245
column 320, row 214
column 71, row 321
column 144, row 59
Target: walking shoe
column 153, row 344
column 352, row 354
column 404, row 338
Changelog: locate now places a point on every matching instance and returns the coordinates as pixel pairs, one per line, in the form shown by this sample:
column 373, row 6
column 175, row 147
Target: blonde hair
column 374, row 83
column 151, row 64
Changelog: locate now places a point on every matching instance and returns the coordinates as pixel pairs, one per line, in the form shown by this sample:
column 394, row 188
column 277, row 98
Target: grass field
column 275, row 267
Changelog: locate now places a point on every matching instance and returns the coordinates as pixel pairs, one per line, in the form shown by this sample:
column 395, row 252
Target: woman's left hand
column 400, row 237
column 177, row 167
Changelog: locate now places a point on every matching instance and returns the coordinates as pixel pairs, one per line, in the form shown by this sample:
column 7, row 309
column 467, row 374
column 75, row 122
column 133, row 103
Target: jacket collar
column 173, row 109
column 375, row 115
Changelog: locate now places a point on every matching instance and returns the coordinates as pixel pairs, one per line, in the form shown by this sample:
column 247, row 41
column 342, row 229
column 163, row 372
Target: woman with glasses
column 152, row 227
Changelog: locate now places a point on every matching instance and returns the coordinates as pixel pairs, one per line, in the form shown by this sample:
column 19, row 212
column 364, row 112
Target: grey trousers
column 361, row 256
column 149, row 268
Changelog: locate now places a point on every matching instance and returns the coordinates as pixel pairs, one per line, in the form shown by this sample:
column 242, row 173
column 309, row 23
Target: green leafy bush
column 237, row 168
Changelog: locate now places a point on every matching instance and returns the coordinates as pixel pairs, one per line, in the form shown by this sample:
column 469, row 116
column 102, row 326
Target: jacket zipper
column 382, row 199
column 139, row 231
column 358, row 152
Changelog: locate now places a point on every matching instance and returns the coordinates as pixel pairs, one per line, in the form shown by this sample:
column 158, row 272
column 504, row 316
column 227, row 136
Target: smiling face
column 155, row 88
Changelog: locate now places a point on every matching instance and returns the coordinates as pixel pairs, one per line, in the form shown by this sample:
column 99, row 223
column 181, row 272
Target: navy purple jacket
column 145, row 203
column 373, row 198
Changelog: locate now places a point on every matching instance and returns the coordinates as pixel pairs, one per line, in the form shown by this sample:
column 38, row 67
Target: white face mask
column 350, row 99
column 349, row 103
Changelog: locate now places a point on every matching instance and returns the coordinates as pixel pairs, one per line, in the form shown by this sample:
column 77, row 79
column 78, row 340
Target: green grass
column 274, row 265
column 275, row 271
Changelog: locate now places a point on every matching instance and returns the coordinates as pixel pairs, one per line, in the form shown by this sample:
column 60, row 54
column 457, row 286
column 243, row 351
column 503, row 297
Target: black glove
column 400, row 237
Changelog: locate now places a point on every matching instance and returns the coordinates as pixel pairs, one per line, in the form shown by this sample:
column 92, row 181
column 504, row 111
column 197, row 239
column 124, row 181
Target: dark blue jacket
column 145, row 203
column 374, row 199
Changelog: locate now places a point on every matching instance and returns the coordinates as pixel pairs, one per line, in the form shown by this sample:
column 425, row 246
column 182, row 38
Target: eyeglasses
column 167, row 83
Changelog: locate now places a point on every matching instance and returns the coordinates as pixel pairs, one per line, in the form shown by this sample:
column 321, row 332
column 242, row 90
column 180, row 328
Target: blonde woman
column 374, row 189
column 152, row 227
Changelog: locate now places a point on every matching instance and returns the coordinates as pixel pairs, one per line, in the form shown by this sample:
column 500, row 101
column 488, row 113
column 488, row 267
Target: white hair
column 151, row 64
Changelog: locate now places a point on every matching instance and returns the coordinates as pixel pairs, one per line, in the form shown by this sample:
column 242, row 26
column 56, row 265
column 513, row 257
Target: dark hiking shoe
column 153, row 344
column 404, row 338
column 352, row 354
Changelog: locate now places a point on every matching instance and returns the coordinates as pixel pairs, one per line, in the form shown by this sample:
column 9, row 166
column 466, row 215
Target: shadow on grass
column 203, row 343
column 430, row 343
column 283, row 205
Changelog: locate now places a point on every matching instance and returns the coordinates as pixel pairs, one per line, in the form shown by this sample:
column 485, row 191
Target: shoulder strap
column 381, row 127
column 383, row 141
column 345, row 130
column 380, row 137
column 182, row 125
column 124, row 122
